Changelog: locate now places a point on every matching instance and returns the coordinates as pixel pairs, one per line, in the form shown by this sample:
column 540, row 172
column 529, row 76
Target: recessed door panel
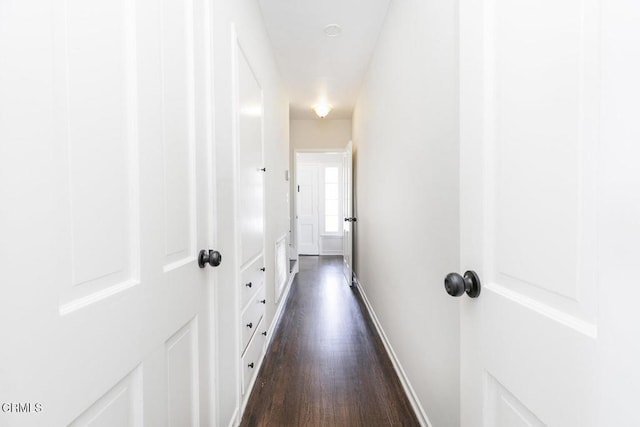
column 120, row 406
column 505, row 409
column 541, row 135
column 307, row 234
column 178, row 132
column 96, row 100
column 251, row 176
column 182, row 376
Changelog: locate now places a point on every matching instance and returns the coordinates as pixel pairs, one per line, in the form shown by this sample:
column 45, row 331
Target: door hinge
column 298, row 188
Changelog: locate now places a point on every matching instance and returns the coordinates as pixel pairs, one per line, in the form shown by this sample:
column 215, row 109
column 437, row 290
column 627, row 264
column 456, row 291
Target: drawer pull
column 250, row 365
column 263, row 269
column 263, row 301
column 264, row 333
column 250, row 325
column 248, row 285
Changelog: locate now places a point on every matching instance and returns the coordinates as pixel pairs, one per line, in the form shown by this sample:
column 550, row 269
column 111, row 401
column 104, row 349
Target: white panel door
column 529, row 113
column 349, row 219
column 104, row 165
column 250, row 160
column 307, row 208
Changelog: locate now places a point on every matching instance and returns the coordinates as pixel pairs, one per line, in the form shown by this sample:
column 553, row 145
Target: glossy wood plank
column 326, row 365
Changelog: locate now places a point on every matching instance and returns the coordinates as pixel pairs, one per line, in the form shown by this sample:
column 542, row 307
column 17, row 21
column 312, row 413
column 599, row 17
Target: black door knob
column 250, row 325
column 251, row 365
column 211, row 257
column 456, row 284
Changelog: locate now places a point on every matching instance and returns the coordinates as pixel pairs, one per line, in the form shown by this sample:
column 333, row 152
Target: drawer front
column 251, row 278
column 252, row 315
column 253, row 356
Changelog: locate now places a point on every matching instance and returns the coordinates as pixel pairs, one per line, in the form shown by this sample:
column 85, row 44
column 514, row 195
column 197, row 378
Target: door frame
column 294, row 199
column 348, row 210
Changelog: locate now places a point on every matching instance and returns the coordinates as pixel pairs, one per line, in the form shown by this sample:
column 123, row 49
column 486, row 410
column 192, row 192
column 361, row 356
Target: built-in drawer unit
column 254, row 329
column 252, row 314
column 251, row 279
column 253, row 355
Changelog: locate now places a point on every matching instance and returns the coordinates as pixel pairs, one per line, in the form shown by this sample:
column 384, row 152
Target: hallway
column 162, row 161
column 326, row 364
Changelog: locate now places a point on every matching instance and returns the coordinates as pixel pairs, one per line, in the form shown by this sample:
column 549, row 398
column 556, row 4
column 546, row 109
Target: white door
column 250, row 161
column 529, row 113
column 349, row 219
column 103, row 182
column 307, row 210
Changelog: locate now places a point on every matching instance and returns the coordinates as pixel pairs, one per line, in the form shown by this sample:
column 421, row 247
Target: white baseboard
column 406, row 385
column 331, row 253
column 234, row 419
column 283, row 300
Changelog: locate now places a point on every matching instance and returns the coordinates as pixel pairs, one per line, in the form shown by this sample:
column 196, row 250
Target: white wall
column 255, row 42
column 405, row 132
column 320, row 133
column 317, row 134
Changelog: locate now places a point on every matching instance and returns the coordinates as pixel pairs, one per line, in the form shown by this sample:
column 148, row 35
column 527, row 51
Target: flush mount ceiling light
column 332, row 30
column 322, row 110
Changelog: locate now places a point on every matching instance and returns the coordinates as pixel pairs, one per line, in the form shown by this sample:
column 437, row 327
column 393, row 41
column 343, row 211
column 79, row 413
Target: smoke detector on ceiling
column 332, row 30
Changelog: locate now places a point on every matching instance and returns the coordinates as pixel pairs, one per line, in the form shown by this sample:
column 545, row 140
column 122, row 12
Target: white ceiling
column 316, row 68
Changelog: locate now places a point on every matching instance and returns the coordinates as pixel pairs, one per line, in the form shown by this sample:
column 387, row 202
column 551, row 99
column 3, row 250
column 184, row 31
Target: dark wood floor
column 326, row 365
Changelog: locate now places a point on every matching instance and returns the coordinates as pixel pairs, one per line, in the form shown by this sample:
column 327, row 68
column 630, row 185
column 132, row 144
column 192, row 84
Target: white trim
column 337, row 252
column 280, row 309
column 277, row 288
column 213, row 215
column 235, row 47
column 423, row 419
column 234, row 419
column 319, row 150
